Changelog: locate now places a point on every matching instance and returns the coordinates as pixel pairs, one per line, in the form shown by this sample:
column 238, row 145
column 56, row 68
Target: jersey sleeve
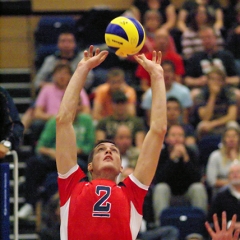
column 136, row 192
column 67, row 182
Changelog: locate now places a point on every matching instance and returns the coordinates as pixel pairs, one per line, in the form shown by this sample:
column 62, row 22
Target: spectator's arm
column 39, row 113
column 181, row 21
column 171, row 17
column 219, row 19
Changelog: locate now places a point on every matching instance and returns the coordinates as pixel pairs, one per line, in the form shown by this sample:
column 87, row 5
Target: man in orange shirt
column 102, row 103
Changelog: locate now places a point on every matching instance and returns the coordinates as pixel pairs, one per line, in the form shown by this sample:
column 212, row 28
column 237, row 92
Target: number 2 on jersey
column 102, row 208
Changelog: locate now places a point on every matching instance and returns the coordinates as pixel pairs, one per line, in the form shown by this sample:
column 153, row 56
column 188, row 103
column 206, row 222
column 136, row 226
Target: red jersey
column 99, row 209
column 171, row 56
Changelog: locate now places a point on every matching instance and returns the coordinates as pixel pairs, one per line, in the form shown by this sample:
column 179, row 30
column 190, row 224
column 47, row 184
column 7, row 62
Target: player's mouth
column 108, row 157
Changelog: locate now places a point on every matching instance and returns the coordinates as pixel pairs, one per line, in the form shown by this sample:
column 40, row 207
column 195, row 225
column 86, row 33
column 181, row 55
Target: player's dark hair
column 90, row 156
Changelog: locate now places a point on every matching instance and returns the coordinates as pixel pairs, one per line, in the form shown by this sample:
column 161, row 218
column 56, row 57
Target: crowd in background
column 200, row 160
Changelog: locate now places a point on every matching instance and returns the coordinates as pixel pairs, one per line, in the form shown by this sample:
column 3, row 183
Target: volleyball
column 125, row 36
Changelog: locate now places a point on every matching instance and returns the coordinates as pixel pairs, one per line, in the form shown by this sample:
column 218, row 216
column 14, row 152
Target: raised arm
column 66, row 149
column 152, row 145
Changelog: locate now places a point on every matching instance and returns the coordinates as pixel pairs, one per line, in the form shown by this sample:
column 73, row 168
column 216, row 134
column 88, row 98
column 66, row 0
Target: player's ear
column 121, row 169
column 90, row 168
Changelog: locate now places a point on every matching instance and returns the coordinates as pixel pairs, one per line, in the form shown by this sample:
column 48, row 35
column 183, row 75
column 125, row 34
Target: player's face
column 106, row 159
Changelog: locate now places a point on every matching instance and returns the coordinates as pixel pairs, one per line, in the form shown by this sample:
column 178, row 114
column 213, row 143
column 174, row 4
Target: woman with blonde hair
column 220, row 160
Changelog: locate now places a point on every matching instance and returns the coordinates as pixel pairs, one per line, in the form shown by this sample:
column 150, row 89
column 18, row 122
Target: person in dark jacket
column 11, row 128
column 177, row 174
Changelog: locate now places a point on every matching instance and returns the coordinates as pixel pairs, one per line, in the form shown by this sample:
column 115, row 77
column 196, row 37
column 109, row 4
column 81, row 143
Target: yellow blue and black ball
column 125, row 36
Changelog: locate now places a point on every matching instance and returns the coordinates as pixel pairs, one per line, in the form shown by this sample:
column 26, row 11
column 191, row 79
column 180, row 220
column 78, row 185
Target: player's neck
column 107, row 175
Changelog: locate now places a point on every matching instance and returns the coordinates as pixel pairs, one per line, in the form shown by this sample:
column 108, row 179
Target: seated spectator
column 67, row 53
column 107, row 126
column 102, row 106
column 174, row 117
column 190, row 40
column 233, row 38
column 49, row 99
column 202, row 62
column 39, row 166
column 165, row 8
column 124, row 142
column 177, row 174
column 11, row 128
column 215, row 106
column 51, row 222
column 227, row 199
column 213, row 6
column 161, row 42
column 173, row 89
column 220, row 160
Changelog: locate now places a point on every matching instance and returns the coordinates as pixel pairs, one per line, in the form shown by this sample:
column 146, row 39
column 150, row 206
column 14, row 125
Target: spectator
column 165, row 8
column 67, row 53
column 161, row 41
column 11, row 130
column 190, row 40
column 201, row 63
column 188, row 6
column 107, row 126
column 215, row 106
column 177, row 174
column 39, row 166
column 173, row 89
column 123, row 140
column 233, row 38
column 228, row 198
column 102, row 106
column 49, row 99
column 174, row 117
column 221, row 159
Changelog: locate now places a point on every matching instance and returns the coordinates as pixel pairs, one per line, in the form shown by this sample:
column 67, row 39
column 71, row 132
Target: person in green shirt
column 41, row 168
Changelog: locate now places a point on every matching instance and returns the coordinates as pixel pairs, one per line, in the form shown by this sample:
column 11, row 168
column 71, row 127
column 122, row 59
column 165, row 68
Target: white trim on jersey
column 135, row 221
column 138, row 183
column 71, row 171
column 64, row 211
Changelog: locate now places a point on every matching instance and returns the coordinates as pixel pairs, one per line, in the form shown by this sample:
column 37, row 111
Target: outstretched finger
column 139, row 58
column 97, row 51
column 209, row 229
column 90, row 52
column 154, row 56
column 232, row 226
column 159, row 57
column 85, row 53
column 224, row 221
column 215, row 221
